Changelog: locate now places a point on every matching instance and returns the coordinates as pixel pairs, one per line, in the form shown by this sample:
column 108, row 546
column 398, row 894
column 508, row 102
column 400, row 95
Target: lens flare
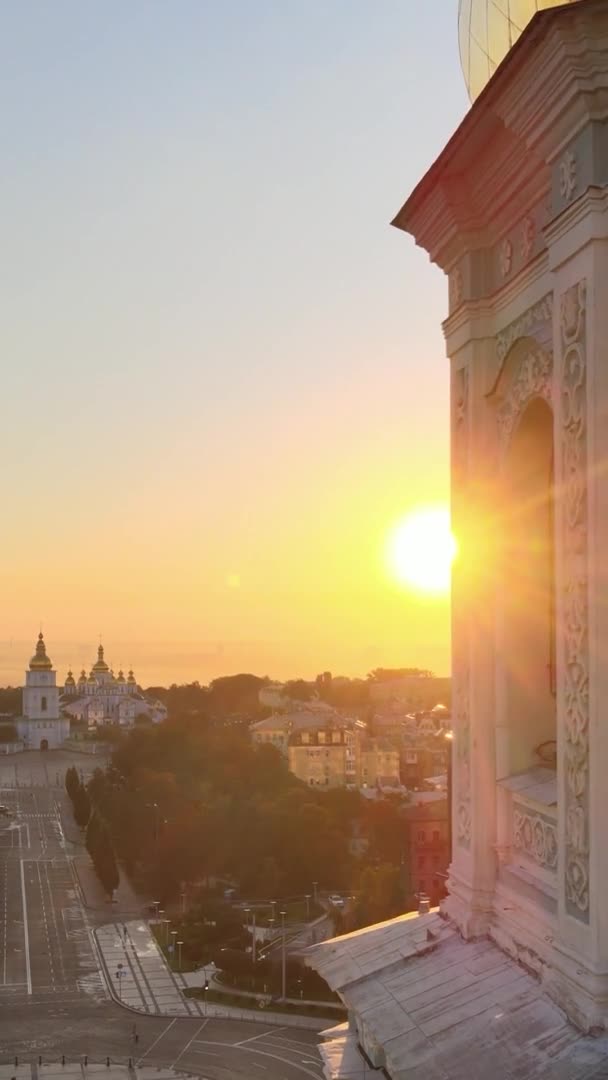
column 422, row 548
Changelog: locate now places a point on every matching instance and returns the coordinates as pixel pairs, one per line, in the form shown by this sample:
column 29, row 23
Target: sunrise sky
column 224, row 378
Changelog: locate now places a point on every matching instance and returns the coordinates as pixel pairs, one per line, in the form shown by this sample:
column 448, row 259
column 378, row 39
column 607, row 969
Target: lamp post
column 179, row 953
column 156, row 904
column 307, row 905
column 314, row 890
column 273, row 905
column 154, row 806
column 283, row 961
column 182, row 897
column 172, row 947
column 167, row 923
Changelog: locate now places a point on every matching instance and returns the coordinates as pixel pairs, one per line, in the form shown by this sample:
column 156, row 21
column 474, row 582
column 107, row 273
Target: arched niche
column 529, row 588
column 522, row 399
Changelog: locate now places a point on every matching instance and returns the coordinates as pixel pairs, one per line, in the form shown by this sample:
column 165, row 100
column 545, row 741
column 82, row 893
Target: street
column 53, row 996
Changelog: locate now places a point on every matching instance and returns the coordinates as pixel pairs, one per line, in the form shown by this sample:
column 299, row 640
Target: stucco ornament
column 575, row 600
column 455, row 286
column 506, row 257
column 536, row 837
column 461, row 672
column 533, row 379
column 567, row 175
column 528, row 236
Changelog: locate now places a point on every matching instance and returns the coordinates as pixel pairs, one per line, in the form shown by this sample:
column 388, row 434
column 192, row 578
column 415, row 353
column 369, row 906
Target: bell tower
column 515, row 211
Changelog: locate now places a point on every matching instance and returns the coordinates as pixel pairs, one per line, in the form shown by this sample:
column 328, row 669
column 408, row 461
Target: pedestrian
column 124, row 930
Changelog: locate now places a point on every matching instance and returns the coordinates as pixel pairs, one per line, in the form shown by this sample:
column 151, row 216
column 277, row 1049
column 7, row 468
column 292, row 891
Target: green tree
column 82, row 806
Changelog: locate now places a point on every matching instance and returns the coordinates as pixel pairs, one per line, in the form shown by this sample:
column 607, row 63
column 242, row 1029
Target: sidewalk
column 147, row 984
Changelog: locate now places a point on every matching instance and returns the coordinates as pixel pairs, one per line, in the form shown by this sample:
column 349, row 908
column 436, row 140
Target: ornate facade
column 105, row 698
column 515, row 211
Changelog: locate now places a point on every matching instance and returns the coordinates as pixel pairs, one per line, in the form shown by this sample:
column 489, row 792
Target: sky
column 224, row 376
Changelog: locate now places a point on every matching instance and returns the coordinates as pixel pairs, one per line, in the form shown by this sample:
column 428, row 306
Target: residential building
column 379, row 763
column 325, row 756
column 428, row 852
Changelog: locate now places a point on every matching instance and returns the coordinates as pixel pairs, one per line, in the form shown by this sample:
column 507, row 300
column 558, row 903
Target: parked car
column 336, row 901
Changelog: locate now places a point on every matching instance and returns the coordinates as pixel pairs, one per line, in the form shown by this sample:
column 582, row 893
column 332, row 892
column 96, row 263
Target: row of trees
column 188, row 803
column 98, row 839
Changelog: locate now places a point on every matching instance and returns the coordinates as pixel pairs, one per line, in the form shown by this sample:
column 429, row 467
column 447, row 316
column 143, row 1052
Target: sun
column 422, row 548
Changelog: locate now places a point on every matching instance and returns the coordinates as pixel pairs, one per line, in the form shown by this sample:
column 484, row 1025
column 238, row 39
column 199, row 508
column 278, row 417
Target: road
column 53, row 998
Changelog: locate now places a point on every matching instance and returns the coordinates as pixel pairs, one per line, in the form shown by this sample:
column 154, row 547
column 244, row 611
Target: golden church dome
column 83, row 676
column 70, row 679
column 131, row 678
column 121, row 677
column 40, row 661
column 100, row 664
column 487, row 29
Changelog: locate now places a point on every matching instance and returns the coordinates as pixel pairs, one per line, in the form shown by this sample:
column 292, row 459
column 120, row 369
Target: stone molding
column 575, row 598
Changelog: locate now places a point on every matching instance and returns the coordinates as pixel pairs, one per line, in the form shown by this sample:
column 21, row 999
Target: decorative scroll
column 535, row 835
column 575, row 599
column 460, row 666
column 534, row 379
column 536, row 322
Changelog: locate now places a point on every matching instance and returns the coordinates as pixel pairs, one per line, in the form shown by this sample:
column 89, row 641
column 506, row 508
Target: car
column 336, row 900
column 4, row 811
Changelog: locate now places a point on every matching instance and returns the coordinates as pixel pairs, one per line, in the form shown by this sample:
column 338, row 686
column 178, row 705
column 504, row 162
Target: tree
column 298, row 690
column 72, row 782
column 82, row 806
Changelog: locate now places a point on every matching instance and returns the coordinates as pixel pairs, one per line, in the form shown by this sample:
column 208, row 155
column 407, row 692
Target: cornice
column 500, row 160
column 581, row 223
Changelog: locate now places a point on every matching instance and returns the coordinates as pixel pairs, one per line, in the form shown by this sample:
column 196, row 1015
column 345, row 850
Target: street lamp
column 173, row 935
column 314, row 890
column 154, row 806
column 307, row 905
column 273, row 904
column 156, row 904
column 283, row 964
column 167, row 923
column 182, row 897
column 179, row 953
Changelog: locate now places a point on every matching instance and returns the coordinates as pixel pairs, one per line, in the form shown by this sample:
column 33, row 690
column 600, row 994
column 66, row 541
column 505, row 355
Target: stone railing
column 535, row 834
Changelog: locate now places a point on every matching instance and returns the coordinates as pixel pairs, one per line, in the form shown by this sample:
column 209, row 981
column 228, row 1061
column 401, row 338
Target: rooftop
column 431, row 1006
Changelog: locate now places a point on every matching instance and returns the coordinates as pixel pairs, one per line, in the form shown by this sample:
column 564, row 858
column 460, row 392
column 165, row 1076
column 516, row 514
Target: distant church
column 103, row 698
column 99, row 698
column 42, row 726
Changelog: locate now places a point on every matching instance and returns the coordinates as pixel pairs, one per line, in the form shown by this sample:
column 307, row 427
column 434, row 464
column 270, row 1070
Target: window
column 43, row 704
column 435, row 834
column 421, row 834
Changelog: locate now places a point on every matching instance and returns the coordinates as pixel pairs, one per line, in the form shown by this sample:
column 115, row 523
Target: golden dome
column 100, row 664
column 131, row 678
column 83, row 676
column 40, row 661
column 487, row 29
column 121, row 677
column 70, row 679
column 91, row 678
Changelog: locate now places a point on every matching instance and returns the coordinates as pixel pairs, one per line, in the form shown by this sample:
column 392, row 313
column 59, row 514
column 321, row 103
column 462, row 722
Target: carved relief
column 567, row 175
column 461, row 708
column 534, row 379
column 528, row 236
column 575, row 601
column 506, row 257
column 455, row 287
column 535, row 836
column 536, row 322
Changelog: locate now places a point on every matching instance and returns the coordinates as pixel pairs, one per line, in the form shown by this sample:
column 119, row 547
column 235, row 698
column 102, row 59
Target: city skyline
column 227, row 383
